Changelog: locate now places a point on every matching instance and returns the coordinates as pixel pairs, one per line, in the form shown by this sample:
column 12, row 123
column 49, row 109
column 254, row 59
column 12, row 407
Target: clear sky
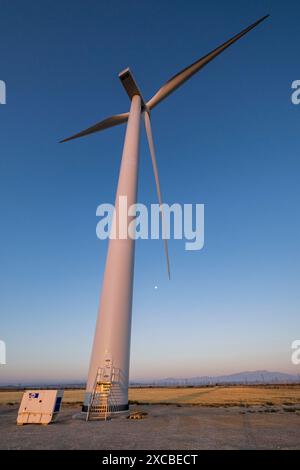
column 229, row 139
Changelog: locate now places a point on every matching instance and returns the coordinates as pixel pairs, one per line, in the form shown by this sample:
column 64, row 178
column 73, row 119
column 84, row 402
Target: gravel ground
column 166, row 427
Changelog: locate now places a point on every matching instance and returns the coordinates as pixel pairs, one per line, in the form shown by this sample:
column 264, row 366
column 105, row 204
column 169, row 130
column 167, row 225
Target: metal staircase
column 104, row 397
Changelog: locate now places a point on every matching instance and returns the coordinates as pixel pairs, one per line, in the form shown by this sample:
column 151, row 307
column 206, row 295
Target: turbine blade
column 100, row 126
column 181, row 77
column 155, row 171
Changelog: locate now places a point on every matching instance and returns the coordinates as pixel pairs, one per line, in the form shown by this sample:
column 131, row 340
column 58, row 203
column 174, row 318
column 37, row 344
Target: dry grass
column 14, row 397
column 218, row 396
column 205, row 396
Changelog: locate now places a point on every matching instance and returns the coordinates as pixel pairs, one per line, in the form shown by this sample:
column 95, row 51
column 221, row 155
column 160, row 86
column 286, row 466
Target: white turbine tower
column 111, row 347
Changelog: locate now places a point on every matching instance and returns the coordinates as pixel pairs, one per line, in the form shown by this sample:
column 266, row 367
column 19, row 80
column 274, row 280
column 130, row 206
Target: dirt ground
column 240, row 417
column 168, row 427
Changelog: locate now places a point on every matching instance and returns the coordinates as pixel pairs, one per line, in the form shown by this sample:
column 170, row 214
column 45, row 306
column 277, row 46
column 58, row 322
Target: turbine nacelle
column 131, row 86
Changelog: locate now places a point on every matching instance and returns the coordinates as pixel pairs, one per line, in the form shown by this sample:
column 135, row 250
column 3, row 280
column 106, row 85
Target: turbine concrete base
column 118, row 409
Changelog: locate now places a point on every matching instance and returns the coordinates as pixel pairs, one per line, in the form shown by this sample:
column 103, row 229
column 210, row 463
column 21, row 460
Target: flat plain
column 200, row 396
column 253, row 417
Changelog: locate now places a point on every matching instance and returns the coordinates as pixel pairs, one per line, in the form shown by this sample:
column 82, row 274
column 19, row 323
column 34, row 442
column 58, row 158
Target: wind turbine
column 111, row 347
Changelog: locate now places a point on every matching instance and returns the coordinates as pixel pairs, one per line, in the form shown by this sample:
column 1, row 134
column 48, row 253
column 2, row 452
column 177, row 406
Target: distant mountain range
column 248, row 377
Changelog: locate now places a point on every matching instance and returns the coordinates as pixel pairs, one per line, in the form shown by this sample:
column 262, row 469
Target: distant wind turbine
column 111, row 347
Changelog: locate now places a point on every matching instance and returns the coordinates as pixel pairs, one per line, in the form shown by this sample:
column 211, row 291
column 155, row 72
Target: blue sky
column 229, row 139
